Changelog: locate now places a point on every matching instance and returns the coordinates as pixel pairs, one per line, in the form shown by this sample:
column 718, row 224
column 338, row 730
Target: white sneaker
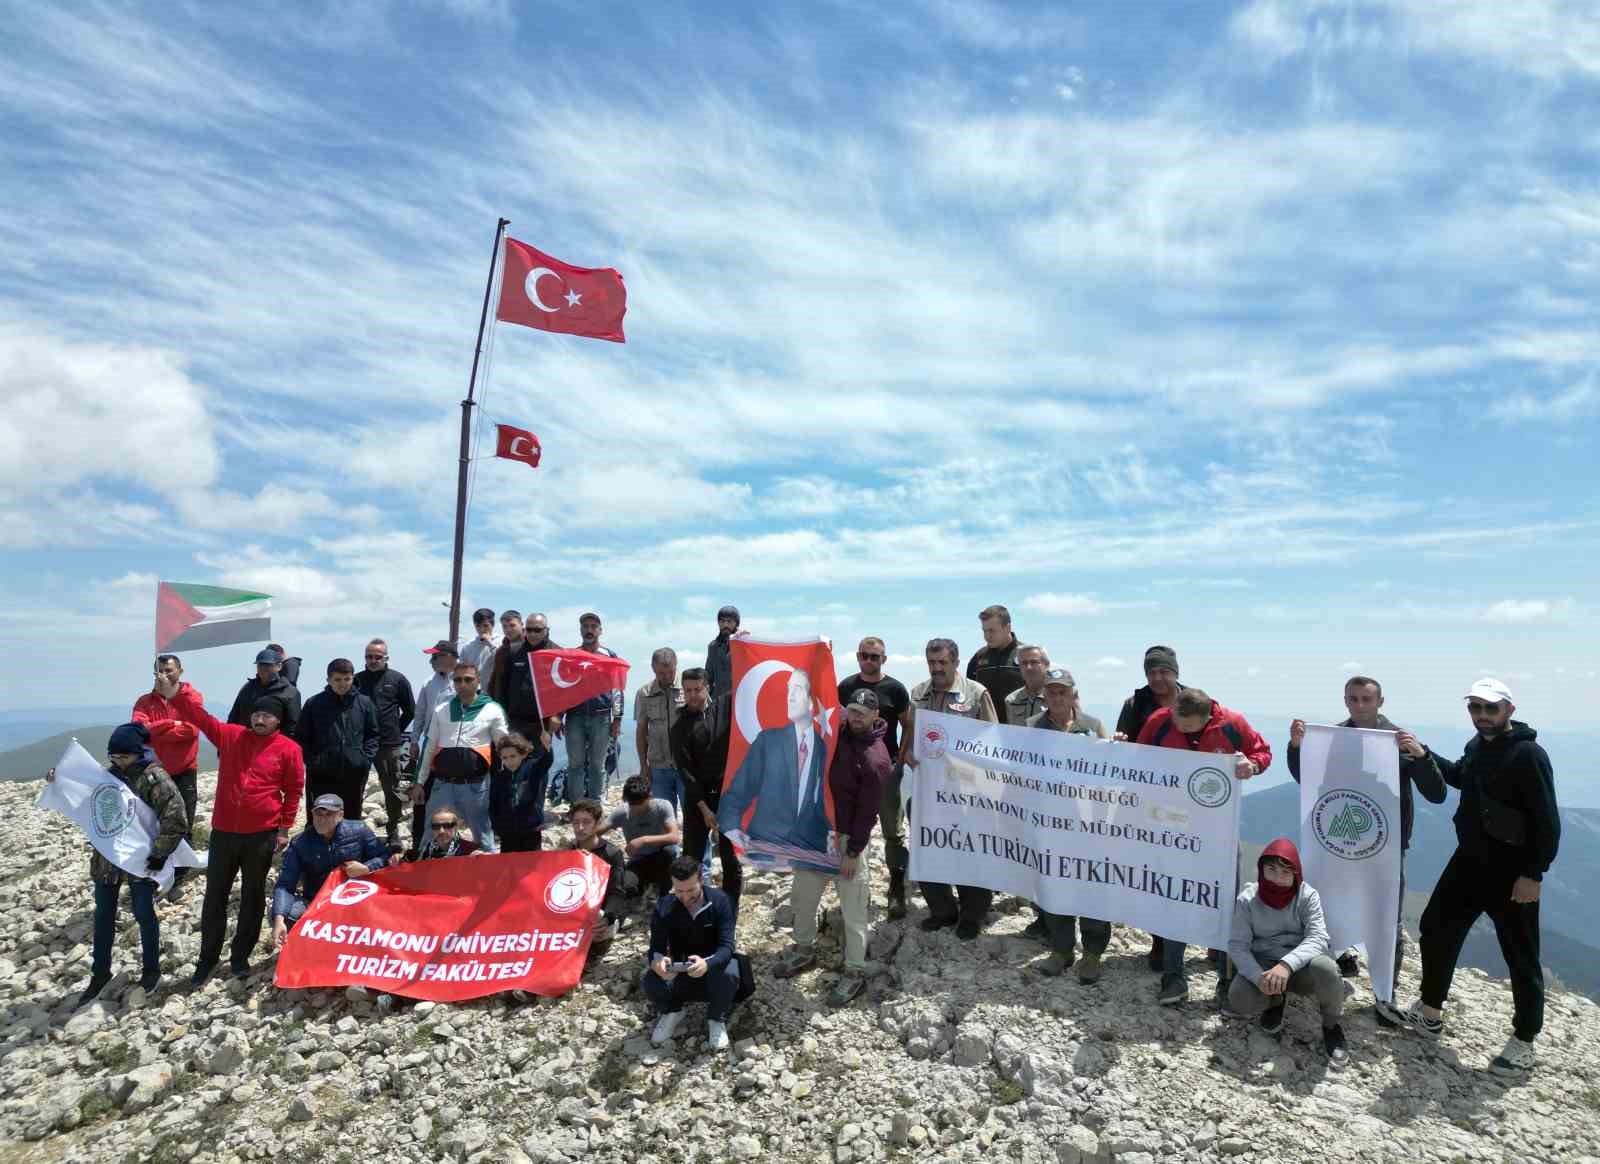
column 717, row 1036
column 1517, row 1056
column 666, row 1027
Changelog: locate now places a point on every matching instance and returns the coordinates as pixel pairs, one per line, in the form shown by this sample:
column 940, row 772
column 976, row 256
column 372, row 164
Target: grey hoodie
column 1263, row 936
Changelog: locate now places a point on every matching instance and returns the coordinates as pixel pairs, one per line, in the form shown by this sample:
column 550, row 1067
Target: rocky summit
column 957, row 1051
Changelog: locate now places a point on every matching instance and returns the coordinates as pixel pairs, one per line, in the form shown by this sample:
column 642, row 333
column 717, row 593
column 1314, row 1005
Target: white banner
column 1350, row 839
column 116, row 821
column 1119, row 832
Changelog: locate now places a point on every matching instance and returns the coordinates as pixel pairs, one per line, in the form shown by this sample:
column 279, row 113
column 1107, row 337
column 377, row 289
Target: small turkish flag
column 517, row 444
column 566, row 677
column 539, row 291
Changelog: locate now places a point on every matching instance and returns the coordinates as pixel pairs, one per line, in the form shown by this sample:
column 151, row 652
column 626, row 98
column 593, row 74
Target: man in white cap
column 1507, row 830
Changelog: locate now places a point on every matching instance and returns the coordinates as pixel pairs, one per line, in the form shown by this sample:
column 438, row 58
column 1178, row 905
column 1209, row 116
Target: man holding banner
column 1350, row 888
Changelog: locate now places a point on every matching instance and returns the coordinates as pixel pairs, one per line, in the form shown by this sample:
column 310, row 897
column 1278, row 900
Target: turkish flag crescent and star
column 451, row 929
column 776, row 806
column 543, row 292
column 517, row 444
column 567, row 677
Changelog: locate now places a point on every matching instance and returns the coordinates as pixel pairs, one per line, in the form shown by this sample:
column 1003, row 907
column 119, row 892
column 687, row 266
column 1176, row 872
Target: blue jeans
column 717, row 988
column 665, row 785
column 143, row 895
column 472, row 802
column 587, row 739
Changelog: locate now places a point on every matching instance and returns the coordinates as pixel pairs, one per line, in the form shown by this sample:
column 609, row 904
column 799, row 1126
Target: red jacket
column 1226, row 732
column 259, row 778
column 176, row 744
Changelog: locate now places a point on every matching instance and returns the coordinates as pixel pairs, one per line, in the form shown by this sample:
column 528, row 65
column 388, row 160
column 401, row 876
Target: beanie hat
column 130, row 739
column 1161, row 657
column 272, row 705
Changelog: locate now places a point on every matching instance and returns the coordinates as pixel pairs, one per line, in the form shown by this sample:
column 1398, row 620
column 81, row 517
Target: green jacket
column 151, row 784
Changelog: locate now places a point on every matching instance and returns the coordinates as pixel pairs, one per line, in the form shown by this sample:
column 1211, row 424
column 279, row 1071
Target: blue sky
column 1266, row 331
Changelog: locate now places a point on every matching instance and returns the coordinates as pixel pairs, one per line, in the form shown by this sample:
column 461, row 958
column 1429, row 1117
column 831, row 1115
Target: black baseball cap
column 866, row 699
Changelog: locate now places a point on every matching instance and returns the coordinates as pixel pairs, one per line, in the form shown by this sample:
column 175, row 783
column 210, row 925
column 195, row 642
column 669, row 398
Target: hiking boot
column 1349, row 965
column 202, row 971
column 1055, row 965
column 1515, row 1058
column 1333, row 1044
column 1174, row 989
column 845, row 991
column 1089, row 969
column 97, row 983
column 931, row 923
column 897, row 894
column 1272, row 1018
column 239, row 969
column 967, row 930
column 1156, row 956
column 150, row 982
column 1416, row 1021
column 796, row 960
column 1035, row 930
column 1386, row 1016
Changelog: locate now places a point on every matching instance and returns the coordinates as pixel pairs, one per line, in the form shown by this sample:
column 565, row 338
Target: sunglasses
column 443, row 826
column 1477, row 708
column 868, row 655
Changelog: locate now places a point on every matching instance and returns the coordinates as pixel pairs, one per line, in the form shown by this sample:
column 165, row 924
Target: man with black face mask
column 1507, row 831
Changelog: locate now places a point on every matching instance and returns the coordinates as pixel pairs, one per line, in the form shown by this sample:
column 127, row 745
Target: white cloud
column 1109, row 663
column 1064, row 604
column 1571, row 403
column 1516, row 610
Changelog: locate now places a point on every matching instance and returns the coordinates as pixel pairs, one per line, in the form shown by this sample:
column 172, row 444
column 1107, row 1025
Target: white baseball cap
column 1490, row 691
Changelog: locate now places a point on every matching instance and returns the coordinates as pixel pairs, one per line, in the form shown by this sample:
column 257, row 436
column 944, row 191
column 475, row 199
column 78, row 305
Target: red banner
column 567, row 676
column 776, row 805
column 452, row 928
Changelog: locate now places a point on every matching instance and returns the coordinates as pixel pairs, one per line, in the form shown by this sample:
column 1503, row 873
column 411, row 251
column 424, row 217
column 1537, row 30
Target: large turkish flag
column 539, row 291
column 452, row 928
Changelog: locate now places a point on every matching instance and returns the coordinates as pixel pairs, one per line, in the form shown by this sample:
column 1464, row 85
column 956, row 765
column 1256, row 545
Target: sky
column 1268, row 331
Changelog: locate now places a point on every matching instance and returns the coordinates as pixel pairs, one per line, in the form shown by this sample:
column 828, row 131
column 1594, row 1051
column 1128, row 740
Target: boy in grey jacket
column 1280, row 945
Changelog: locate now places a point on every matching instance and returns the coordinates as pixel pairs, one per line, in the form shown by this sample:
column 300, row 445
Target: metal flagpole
column 466, row 442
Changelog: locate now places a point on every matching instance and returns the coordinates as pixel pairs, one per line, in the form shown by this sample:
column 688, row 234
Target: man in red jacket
column 861, row 766
column 1201, row 724
column 176, row 744
column 260, row 775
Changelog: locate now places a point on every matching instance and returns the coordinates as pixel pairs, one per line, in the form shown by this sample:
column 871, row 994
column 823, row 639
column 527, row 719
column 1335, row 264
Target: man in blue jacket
column 330, row 843
column 339, row 735
column 691, row 956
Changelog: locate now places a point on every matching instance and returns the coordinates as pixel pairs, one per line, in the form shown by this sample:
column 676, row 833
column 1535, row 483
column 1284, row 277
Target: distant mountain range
column 30, row 761
column 1566, row 913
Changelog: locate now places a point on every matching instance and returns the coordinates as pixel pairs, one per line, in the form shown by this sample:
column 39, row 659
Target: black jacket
column 338, row 732
column 700, row 752
column 1137, row 708
column 616, row 900
column 997, row 669
column 244, row 703
column 709, row 933
column 719, row 666
column 516, row 799
column 1420, row 772
column 391, row 697
column 1514, row 771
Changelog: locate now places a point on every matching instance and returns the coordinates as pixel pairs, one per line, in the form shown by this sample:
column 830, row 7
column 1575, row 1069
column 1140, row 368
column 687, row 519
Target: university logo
column 1210, row 787
column 110, row 811
column 352, row 892
column 934, row 742
column 567, row 891
column 1349, row 824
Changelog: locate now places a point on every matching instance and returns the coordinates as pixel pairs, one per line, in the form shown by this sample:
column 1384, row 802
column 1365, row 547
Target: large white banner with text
column 1350, row 839
column 1119, row 832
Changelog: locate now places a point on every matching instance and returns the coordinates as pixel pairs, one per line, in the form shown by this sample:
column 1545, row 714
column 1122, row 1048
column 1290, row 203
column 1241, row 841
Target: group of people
column 477, row 761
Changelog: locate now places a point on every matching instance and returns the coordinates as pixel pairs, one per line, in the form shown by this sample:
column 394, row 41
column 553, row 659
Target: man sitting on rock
column 650, row 827
column 444, row 837
column 1279, row 945
column 586, row 817
column 691, row 956
column 330, row 843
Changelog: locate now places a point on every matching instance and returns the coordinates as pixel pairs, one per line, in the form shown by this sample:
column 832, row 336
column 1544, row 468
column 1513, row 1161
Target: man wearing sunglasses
column 1507, row 831
column 465, row 730
column 894, row 707
column 444, row 837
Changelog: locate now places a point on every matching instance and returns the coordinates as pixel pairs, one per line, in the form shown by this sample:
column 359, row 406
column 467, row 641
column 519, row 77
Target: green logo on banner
column 1349, row 824
column 1352, row 822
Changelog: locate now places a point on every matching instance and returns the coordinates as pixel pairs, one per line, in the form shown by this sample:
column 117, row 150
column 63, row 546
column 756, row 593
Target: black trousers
column 1467, row 890
column 966, row 903
column 186, row 789
column 654, row 869
column 696, row 836
column 388, row 764
column 530, row 841
column 231, row 856
column 348, row 784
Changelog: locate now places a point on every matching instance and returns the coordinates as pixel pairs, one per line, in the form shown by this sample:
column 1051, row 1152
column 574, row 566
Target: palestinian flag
column 191, row 618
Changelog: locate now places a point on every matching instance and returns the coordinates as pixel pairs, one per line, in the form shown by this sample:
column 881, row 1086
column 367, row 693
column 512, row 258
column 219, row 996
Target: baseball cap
column 587, row 615
column 328, row 800
column 268, row 655
column 1060, row 677
column 1490, row 691
column 442, row 647
column 867, row 700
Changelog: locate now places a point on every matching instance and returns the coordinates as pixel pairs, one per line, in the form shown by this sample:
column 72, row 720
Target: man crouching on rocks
column 135, row 765
column 691, row 956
